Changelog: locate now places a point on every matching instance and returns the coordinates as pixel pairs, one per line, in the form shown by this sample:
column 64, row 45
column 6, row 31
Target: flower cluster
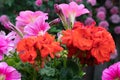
column 38, row 48
column 88, row 43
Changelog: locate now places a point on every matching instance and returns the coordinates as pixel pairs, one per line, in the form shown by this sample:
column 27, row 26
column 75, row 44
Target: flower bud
column 54, row 22
column 57, row 9
column 5, row 21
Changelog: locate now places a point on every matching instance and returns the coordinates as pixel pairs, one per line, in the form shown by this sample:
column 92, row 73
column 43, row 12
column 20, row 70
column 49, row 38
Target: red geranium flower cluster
column 91, row 44
column 38, row 48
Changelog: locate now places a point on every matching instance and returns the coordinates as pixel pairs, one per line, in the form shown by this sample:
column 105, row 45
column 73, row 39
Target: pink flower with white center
column 108, row 4
column 101, row 15
column 89, row 21
column 92, row 2
column 114, row 10
column 103, row 9
column 7, row 43
column 112, row 73
column 73, row 10
column 28, row 17
column 115, row 18
column 39, row 27
column 104, row 24
column 117, row 29
column 38, row 2
column 4, row 19
column 8, row 72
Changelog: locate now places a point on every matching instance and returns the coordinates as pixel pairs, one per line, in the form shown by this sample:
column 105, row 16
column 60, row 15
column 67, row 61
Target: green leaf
column 66, row 74
column 47, row 71
column 49, row 78
column 50, row 3
column 9, row 2
column 73, row 66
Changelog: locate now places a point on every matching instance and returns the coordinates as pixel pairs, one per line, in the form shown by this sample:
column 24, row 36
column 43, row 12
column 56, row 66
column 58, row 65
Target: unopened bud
column 57, row 55
column 54, row 22
column 57, row 9
column 5, row 21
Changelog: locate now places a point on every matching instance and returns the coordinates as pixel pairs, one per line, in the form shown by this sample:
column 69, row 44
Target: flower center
column 2, row 77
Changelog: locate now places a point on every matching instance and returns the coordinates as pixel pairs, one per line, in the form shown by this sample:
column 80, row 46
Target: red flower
column 103, row 44
column 82, row 38
column 38, row 48
column 78, row 25
column 72, row 51
column 96, row 41
column 47, row 46
column 26, row 49
column 67, row 37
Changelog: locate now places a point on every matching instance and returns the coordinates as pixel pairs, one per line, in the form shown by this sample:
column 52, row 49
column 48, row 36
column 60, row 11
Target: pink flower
column 28, row 17
column 115, row 18
column 114, row 10
column 108, row 4
column 104, row 24
column 38, row 2
column 92, row 2
column 89, row 21
column 103, row 9
column 5, row 21
column 8, row 72
column 7, row 43
column 112, row 73
column 101, row 15
column 39, row 27
column 73, row 10
column 117, row 29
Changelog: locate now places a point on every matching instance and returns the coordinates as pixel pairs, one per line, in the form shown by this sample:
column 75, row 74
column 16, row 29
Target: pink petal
column 65, row 9
column 14, row 75
column 34, row 29
column 3, row 67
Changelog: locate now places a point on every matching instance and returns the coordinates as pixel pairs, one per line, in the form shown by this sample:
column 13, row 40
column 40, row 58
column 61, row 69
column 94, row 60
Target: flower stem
column 16, row 30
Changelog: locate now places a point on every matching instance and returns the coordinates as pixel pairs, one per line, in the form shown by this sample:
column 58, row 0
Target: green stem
column 34, row 74
column 17, row 30
column 64, row 62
